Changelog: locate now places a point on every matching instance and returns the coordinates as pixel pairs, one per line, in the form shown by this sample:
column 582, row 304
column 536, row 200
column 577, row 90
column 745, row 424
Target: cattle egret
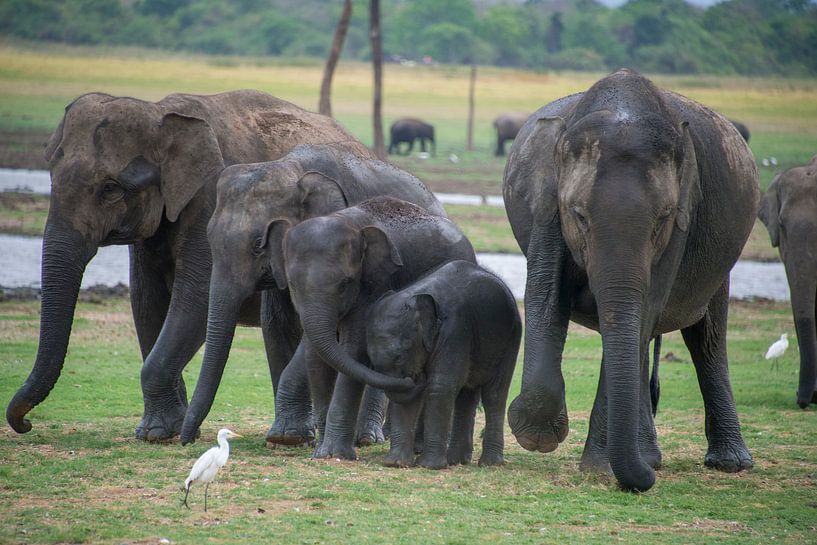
column 423, row 155
column 453, row 158
column 777, row 349
column 206, row 467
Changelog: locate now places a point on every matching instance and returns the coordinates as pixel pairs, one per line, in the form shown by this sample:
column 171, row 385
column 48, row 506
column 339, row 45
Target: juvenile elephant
column 742, row 129
column 337, row 266
column 408, row 130
column 126, row 171
column 311, row 180
column 631, row 204
column 459, row 328
column 789, row 211
column 507, row 127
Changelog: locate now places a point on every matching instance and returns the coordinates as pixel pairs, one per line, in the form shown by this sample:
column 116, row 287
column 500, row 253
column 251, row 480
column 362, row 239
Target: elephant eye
column 112, row 191
column 258, row 246
column 580, row 217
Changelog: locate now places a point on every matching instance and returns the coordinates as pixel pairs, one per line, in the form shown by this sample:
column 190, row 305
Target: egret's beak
column 236, row 435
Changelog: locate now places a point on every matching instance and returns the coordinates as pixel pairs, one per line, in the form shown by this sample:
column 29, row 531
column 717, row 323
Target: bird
column 208, row 464
column 453, row 158
column 777, row 349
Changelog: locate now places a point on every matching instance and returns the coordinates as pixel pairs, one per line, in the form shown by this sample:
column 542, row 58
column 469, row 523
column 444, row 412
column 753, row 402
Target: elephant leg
column 804, row 309
column 294, row 422
column 706, row 341
column 403, row 421
column 461, row 443
column 282, row 333
column 595, row 457
column 370, row 419
column 410, row 146
column 341, row 418
column 500, row 147
column 439, row 409
column 422, row 144
column 494, row 401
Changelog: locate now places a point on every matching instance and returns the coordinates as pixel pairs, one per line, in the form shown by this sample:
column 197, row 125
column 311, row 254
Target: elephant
column 459, row 327
column 311, row 180
column 336, row 267
column 789, row 211
column 507, row 126
column 409, row 129
column 742, row 129
column 631, row 204
column 127, row 171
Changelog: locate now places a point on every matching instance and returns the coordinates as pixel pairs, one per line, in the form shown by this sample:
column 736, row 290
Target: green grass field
column 80, row 477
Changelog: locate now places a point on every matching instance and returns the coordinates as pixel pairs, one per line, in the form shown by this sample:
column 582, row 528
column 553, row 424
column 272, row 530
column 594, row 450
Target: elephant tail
column 655, row 386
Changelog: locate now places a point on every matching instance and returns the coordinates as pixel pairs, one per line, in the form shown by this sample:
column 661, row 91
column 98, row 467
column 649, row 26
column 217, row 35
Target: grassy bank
column 80, row 477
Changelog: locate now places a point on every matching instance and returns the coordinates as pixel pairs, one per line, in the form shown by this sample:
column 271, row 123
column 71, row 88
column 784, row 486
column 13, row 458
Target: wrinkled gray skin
column 337, row 266
column 408, row 130
column 126, row 171
column 460, row 329
column 254, row 204
column 631, row 204
column 789, row 211
column 507, row 126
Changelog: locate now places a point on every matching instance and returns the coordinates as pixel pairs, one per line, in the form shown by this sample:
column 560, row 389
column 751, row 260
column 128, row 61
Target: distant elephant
column 458, row 327
column 126, row 171
column 789, row 211
column 742, row 129
column 311, row 180
column 507, row 126
column 337, row 266
column 631, row 204
column 408, row 130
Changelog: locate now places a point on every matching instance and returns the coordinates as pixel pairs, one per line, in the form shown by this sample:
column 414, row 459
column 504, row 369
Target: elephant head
column 789, row 211
column 625, row 183
column 333, row 267
column 119, row 168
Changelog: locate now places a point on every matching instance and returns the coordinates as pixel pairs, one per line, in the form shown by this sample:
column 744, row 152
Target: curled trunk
column 65, row 256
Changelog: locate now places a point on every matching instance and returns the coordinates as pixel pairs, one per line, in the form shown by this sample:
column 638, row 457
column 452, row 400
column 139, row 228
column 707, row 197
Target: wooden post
column 377, row 63
column 471, row 87
column 325, row 106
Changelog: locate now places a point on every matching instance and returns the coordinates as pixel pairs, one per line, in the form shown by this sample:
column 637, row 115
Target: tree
column 325, row 106
column 471, row 87
column 377, row 65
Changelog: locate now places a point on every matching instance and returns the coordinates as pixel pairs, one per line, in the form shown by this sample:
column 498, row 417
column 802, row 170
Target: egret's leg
column 186, row 492
column 205, row 496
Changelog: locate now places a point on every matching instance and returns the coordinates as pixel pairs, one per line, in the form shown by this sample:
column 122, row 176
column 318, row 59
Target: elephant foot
column 333, row 449
column 804, row 401
column 491, row 459
column 537, row 434
column 459, row 456
column 291, row 431
column 729, row 457
column 595, row 459
column 398, row 459
column 161, row 425
column 432, row 461
column 371, row 434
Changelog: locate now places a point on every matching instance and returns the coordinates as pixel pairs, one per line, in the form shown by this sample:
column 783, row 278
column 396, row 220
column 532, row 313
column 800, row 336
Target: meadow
column 80, row 477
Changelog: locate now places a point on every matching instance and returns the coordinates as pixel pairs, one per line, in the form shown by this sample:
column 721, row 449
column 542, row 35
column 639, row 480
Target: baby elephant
column 458, row 326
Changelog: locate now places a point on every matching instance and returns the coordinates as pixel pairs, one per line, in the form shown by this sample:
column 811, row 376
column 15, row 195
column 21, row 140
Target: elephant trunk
column 225, row 303
column 620, row 311
column 801, row 275
column 66, row 253
column 320, row 323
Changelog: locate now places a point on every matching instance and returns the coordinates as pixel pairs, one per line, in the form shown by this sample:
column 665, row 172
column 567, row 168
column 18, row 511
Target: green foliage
column 753, row 37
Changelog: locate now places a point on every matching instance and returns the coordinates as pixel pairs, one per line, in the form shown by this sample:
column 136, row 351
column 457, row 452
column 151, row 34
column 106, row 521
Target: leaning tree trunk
column 325, row 106
column 377, row 65
column 471, row 86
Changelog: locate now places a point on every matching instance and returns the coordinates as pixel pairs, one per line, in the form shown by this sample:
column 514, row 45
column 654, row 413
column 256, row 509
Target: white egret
column 777, row 349
column 207, row 466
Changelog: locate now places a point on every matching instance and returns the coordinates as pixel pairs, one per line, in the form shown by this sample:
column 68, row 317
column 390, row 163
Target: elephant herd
column 631, row 204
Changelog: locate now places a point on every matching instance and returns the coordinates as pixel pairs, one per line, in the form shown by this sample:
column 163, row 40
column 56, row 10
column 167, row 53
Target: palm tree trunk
column 377, row 65
column 325, row 106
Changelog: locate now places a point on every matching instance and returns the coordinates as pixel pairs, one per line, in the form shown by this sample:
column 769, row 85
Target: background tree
column 324, row 105
column 377, row 67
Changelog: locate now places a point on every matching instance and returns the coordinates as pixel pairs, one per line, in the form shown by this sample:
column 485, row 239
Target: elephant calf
column 458, row 326
column 408, row 130
column 789, row 211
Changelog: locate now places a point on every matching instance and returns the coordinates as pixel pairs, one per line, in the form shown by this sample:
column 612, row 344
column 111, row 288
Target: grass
column 80, row 477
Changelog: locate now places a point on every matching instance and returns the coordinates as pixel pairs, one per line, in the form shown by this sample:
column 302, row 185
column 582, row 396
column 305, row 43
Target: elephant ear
column 690, row 190
column 273, row 242
column 533, row 166
column 380, row 256
column 191, row 158
column 53, row 150
column 320, row 195
column 430, row 319
column 769, row 212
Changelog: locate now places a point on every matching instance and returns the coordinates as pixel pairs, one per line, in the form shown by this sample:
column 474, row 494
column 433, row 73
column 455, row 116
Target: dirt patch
column 23, row 148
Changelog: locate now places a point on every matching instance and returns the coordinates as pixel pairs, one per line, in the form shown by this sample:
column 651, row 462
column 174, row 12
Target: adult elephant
column 311, row 180
column 631, row 204
column 126, row 171
column 507, row 126
column 789, row 211
column 337, row 266
column 409, row 129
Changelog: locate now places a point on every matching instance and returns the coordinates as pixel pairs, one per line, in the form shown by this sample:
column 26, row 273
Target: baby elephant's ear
column 429, row 317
